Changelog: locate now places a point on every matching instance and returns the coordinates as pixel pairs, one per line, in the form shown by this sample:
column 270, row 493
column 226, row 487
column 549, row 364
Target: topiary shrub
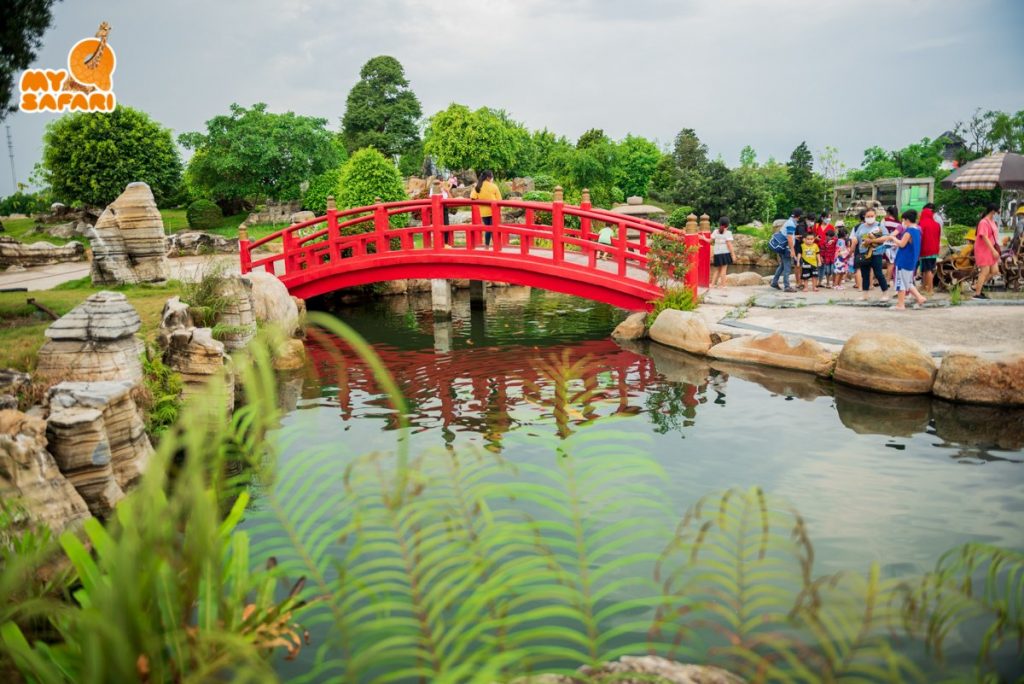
column 542, row 181
column 367, row 175
column 203, row 214
column 320, row 188
column 677, row 219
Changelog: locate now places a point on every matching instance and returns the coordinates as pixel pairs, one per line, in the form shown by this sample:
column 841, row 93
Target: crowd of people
column 889, row 252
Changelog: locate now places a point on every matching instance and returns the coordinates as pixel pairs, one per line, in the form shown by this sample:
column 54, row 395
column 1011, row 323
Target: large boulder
column 29, row 473
column 301, row 217
column 779, row 350
column 633, row 328
column 748, row 252
column 684, row 330
column 745, row 279
column 416, row 187
column 271, row 302
column 981, row 377
column 885, row 362
column 15, row 253
column 290, row 355
column 94, row 341
column 199, row 359
column 128, row 241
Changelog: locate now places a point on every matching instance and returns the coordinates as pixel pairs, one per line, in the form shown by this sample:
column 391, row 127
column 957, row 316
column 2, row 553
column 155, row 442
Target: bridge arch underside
column 607, row 288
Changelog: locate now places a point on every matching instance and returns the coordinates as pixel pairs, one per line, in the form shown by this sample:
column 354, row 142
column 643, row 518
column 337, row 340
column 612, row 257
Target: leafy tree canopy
column 367, row 175
column 637, row 160
column 594, row 136
column 748, row 157
column 381, row 110
column 91, row 157
column 806, row 189
column 688, row 151
column 459, row 138
column 255, row 154
column 21, row 35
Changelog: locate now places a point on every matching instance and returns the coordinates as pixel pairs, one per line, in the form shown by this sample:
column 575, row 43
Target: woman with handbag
column 868, row 238
column 986, row 249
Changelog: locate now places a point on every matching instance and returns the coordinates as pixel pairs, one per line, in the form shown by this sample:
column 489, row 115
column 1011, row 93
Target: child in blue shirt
column 908, row 246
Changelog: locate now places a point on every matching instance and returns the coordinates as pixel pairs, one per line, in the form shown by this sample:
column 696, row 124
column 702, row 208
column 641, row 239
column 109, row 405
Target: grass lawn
column 22, row 325
column 22, row 231
column 175, row 220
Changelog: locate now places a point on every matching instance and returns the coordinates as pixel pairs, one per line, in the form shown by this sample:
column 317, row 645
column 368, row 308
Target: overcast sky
column 768, row 73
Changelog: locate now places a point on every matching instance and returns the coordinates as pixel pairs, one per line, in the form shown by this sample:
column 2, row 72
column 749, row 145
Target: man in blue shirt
column 786, row 252
column 909, row 244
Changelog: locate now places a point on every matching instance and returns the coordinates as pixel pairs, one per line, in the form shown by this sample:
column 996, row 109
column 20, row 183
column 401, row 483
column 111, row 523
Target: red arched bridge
column 554, row 247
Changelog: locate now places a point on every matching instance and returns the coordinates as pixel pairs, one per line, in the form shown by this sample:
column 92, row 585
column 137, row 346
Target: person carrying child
column 908, row 251
column 809, row 261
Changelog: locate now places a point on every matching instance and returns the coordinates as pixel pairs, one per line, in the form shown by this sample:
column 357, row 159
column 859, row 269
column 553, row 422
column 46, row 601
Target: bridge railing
column 550, row 232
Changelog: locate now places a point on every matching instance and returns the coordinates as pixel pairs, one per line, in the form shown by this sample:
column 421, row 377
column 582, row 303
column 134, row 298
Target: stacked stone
column 237, row 320
column 18, row 254
column 98, row 440
column 12, row 382
column 199, row 359
column 128, row 240
column 30, row 473
column 94, row 341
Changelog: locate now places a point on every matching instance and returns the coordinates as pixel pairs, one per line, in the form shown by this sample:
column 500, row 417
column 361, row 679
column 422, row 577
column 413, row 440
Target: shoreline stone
column 885, row 362
column 981, row 377
column 633, row 328
column 684, row 330
column 779, row 350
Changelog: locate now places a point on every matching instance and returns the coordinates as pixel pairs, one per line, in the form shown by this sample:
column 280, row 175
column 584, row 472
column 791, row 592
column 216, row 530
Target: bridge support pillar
column 477, row 295
column 441, row 299
column 443, row 333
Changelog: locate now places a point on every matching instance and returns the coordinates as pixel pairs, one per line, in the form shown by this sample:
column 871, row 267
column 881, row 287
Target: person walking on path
column 722, row 255
column 908, row 251
column 868, row 237
column 783, row 244
column 441, row 188
column 986, row 249
column 486, row 189
column 931, row 238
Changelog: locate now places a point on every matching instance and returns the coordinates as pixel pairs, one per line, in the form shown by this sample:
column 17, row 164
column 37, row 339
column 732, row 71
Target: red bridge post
column 333, row 235
column 380, row 224
column 557, row 226
column 437, row 220
column 704, row 253
column 243, row 249
column 692, row 241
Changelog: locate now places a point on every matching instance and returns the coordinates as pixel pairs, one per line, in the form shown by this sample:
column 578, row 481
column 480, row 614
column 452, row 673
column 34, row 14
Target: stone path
column 48, row 277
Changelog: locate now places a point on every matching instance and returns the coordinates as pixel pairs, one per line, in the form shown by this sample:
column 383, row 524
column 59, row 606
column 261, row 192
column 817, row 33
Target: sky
column 765, row 73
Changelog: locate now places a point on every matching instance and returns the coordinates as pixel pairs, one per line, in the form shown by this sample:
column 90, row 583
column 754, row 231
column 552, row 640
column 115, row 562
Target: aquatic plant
column 460, row 566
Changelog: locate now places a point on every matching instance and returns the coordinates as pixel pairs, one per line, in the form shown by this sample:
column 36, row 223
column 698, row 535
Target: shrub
column 677, row 219
column 679, row 298
column 203, row 297
column 320, row 188
column 203, row 214
column 23, row 203
column 542, row 182
column 367, row 175
column 537, row 196
column 160, row 393
column 956, row 234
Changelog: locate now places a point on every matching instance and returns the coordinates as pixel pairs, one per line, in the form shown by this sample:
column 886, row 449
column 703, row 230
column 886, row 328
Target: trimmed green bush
column 320, row 188
column 203, row 214
column 542, row 182
column 677, row 219
column 367, row 175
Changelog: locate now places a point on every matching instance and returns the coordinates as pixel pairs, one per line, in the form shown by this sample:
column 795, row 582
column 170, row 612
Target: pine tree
column 381, row 111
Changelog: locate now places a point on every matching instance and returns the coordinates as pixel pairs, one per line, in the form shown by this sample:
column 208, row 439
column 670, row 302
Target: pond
column 892, row 480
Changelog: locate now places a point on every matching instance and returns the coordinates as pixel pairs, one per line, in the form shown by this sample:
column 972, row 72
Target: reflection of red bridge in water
column 360, row 246
column 479, row 390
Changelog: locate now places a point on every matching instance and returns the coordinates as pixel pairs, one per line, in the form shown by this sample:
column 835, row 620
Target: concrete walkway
column 49, row 277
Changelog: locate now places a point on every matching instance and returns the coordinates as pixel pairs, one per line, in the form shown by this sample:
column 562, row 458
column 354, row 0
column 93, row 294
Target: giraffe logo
column 85, row 86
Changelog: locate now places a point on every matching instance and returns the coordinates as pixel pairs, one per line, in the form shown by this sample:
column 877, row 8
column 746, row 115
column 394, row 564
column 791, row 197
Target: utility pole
column 10, row 152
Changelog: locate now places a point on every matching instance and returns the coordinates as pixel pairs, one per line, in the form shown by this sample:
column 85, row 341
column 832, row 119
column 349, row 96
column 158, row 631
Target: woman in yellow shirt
column 486, row 189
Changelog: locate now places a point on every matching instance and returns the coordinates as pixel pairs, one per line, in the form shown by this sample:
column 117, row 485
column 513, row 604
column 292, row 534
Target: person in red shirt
column 931, row 233
column 827, row 257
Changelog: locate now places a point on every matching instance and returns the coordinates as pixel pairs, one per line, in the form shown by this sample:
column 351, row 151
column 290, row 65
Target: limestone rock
column 290, row 355
column 418, row 285
column 128, row 241
column 779, row 350
column 633, row 328
column 683, row 330
column 646, row 669
column 981, row 377
column 748, row 252
column 885, row 362
column 300, row 307
column 301, row 217
column 745, row 279
column 635, row 200
column 176, row 314
column 196, row 242
column 94, row 341
column 271, row 302
column 29, row 473
column 199, row 359
column 14, row 253
column 85, row 416
column 273, row 213
column 416, row 187
column 237, row 321
column 521, row 186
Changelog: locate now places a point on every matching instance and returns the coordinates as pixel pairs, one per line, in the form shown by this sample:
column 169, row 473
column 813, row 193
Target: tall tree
column 253, row 154
column 637, row 159
column 381, row 111
column 592, row 137
column 805, row 190
column 21, row 35
column 688, row 151
column 91, row 157
column 748, row 157
column 460, row 139
column 1006, row 131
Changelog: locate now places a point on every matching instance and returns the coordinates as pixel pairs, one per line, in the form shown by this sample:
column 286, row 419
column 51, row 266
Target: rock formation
column 633, row 328
column 271, row 302
column 14, row 253
column 236, row 321
column 128, row 241
column 885, row 362
column 29, row 473
column 98, row 439
column 12, row 383
column 199, row 358
column 94, row 341
column 194, row 242
column 683, row 330
column 745, row 279
column 982, row 377
column 779, row 350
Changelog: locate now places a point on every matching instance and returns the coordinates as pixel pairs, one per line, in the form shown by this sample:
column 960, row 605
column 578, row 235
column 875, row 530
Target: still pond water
column 889, row 479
